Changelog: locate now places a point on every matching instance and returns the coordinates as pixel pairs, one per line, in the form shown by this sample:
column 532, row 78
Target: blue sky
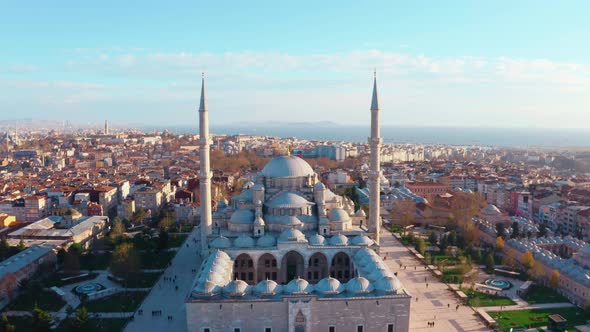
column 440, row 63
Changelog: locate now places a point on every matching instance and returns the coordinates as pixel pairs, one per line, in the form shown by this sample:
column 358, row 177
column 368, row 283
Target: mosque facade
column 288, row 254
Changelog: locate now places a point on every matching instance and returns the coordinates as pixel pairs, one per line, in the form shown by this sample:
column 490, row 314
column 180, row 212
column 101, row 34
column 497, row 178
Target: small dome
column 242, row 216
column 329, row 286
column 360, row 213
column 319, row 186
column 316, row 240
column 291, row 234
column 338, row 240
column 207, row 288
column 267, row 287
column 236, row 288
column 361, row 240
column 222, row 203
column 221, row 242
column 288, row 200
column 218, row 254
column 362, row 253
column 290, row 220
column 258, row 187
column 266, row 241
column 388, row 284
column 248, row 185
column 338, row 215
column 244, row 241
column 491, row 209
column 359, row 285
column 298, row 286
column 286, row 167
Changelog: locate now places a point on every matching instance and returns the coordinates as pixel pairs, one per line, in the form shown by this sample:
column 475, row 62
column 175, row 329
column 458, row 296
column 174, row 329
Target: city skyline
column 462, row 64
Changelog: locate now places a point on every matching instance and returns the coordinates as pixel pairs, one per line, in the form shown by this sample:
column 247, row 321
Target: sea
column 497, row 137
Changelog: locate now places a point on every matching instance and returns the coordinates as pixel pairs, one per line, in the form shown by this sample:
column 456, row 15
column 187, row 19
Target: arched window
column 267, row 268
column 292, row 266
column 244, row 269
column 341, row 268
column 317, row 267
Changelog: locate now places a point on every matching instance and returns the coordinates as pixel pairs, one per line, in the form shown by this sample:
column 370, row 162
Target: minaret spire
column 375, row 166
column 204, row 171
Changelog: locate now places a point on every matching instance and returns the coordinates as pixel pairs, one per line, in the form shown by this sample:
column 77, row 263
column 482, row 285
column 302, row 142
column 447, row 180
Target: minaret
column 375, row 166
column 205, row 171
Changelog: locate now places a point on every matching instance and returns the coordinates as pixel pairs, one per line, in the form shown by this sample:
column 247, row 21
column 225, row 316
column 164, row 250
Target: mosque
column 288, row 254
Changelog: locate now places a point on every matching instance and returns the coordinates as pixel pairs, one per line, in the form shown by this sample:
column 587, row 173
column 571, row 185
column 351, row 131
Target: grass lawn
column 159, row 260
column 396, row 228
column 91, row 261
column 143, row 279
column 479, row 299
column 96, row 325
column 120, row 302
column 542, row 294
column 440, row 256
column 46, row 300
column 538, row 317
column 176, row 240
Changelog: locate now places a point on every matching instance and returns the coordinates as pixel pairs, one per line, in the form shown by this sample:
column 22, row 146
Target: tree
column 41, row 320
column 555, row 275
column 499, row 243
column 5, row 325
column 500, row 229
column 71, row 264
column 404, row 212
column 125, row 261
column 528, row 260
column 167, row 219
column 515, row 230
column 490, row 263
column 4, row 248
column 76, row 249
column 139, row 216
column 421, row 246
column 21, row 245
column 117, row 230
column 432, row 238
column 542, row 230
column 81, row 318
column 163, row 239
column 508, row 262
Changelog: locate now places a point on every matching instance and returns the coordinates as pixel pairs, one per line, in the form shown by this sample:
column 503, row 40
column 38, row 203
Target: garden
column 534, row 318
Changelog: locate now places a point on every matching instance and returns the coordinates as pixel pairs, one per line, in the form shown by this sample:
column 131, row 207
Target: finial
column 202, row 74
column 375, row 72
column 289, row 150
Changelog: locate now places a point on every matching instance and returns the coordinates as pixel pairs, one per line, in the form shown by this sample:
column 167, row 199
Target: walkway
column 527, row 306
column 164, row 295
column 433, row 303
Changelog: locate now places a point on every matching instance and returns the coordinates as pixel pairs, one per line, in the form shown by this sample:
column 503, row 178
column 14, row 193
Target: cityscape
column 280, row 180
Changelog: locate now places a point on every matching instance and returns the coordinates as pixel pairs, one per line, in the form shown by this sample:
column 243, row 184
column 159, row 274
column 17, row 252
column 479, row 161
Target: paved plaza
column 433, row 303
column 164, row 295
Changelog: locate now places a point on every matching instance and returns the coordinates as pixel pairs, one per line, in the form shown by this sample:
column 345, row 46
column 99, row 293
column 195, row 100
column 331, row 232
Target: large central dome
column 287, row 166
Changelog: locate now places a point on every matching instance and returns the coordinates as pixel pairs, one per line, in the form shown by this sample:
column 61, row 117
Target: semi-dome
column 298, row 286
column 244, row 241
column 221, row 242
column 248, row 185
column 267, row 287
column 361, row 240
column 291, row 234
column 242, row 216
column 236, row 288
column 329, row 286
column 287, row 166
column 388, row 284
column 338, row 240
column 266, row 241
column 288, row 200
column 360, row 213
column 359, row 285
column 338, row 215
column 317, row 240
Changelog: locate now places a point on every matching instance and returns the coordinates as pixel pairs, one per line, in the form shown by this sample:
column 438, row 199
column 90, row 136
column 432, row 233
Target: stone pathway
column 433, row 303
column 164, row 295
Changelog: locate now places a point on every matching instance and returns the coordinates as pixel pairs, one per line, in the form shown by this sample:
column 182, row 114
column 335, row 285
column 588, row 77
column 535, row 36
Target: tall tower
column 375, row 169
column 106, row 127
column 205, row 171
